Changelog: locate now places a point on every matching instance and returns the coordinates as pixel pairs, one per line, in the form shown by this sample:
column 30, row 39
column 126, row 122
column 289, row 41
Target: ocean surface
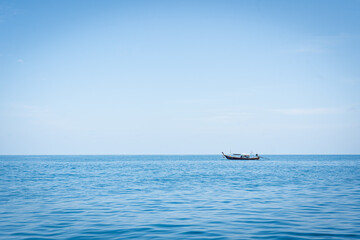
column 179, row 197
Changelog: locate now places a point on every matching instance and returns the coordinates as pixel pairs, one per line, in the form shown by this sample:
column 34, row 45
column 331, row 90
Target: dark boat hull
column 240, row 158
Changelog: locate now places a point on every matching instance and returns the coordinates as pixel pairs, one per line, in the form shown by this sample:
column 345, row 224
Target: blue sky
column 179, row 77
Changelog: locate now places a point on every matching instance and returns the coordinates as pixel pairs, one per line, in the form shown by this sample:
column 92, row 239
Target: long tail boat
column 241, row 156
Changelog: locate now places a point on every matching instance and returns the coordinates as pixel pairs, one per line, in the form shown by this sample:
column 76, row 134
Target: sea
column 179, row 197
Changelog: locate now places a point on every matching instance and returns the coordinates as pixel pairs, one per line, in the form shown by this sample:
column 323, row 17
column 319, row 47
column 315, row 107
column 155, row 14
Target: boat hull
column 240, row 158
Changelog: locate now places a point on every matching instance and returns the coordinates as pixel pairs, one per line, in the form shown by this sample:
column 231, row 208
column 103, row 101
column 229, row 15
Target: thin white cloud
column 39, row 115
column 7, row 11
column 308, row 111
column 309, row 49
column 321, row 44
column 228, row 117
column 20, row 61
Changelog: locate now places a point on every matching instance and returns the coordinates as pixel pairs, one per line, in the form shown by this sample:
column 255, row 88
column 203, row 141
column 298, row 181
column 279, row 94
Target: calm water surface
column 179, row 197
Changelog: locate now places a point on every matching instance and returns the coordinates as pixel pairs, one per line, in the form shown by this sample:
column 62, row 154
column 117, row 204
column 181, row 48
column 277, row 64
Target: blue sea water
column 179, row 197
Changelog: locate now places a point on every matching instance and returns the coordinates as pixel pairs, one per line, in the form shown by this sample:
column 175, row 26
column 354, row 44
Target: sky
column 179, row 77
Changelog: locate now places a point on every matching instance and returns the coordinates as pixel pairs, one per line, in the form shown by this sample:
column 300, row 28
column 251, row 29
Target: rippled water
column 179, row 197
